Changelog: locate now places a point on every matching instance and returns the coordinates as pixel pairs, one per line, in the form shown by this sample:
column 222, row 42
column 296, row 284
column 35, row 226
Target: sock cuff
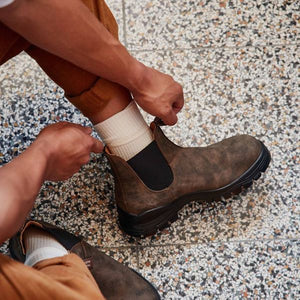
column 125, row 133
column 129, row 148
column 41, row 245
column 43, row 253
column 127, row 117
column 40, row 239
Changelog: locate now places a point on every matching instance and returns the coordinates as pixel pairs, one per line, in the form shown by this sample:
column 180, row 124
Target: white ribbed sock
column 125, row 133
column 41, row 245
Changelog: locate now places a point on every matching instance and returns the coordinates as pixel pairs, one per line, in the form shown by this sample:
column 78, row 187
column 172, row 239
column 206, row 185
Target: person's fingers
column 170, row 118
column 85, row 159
column 87, row 130
column 73, row 171
column 61, row 124
column 178, row 105
column 97, row 146
column 84, row 129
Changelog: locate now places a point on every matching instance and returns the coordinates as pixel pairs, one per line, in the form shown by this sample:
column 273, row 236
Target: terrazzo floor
column 239, row 64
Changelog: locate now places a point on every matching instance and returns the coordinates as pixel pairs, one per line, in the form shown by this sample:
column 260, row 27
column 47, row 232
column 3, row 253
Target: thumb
column 170, row 119
column 97, row 146
column 86, row 130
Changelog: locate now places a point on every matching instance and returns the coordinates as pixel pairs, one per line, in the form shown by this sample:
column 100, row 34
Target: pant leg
column 64, row 277
column 86, row 91
column 11, row 44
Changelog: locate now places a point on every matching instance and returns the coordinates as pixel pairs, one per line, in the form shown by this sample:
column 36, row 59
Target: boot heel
column 148, row 222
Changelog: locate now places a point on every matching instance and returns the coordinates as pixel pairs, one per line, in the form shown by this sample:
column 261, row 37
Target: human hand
column 67, row 147
column 160, row 95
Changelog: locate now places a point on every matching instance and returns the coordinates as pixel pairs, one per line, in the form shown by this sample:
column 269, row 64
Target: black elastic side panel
column 152, row 167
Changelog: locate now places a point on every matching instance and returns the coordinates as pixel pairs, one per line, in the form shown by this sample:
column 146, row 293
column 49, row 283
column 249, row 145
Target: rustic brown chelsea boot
column 199, row 174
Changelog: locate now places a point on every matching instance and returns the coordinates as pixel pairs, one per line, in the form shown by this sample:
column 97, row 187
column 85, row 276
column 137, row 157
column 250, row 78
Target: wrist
column 138, row 77
column 43, row 154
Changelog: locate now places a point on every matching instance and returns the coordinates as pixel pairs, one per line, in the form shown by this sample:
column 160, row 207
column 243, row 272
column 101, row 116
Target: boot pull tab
column 159, row 122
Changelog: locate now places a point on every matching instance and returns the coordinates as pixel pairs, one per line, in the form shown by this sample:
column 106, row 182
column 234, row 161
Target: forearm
column 52, row 156
column 20, row 182
column 68, row 29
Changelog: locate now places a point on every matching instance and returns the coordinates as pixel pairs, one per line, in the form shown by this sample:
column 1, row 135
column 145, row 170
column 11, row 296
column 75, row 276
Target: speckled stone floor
column 239, row 64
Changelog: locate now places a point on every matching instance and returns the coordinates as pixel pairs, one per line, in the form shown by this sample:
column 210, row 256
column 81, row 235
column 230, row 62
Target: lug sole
column 149, row 222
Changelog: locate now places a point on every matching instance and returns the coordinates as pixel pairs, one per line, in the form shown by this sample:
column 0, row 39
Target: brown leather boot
column 115, row 280
column 199, row 174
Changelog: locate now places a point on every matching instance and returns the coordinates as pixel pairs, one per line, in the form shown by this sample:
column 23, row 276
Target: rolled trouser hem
column 64, row 277
column 11, row 44
column 97, row 97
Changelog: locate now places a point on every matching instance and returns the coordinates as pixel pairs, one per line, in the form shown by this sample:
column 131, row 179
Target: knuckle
column 169, row 77
column 167, row 110
column 63, row 123
column 89, row 141
column 85, row 159
column 65, row 176
column 89, row 146
column 179, row 88
column 76, row 169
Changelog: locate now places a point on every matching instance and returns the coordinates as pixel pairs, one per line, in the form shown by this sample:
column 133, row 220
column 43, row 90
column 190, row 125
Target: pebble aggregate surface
column 239, row 64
